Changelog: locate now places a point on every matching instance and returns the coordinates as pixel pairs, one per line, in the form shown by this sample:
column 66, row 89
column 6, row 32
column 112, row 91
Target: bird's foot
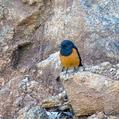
column 81, row 68
column 75, row 69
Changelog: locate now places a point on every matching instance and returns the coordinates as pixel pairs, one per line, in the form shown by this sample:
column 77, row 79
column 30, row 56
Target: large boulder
column 89, row 92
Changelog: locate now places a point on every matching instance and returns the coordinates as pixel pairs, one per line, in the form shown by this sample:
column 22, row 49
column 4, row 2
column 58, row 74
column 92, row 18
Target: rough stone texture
column 101, row 115
column 92, row 25
column 89, row 93
column 34, row 113
column 31, row 2
column 31, row 30
column 21, row 93
column 54, row 101
column 52, row 61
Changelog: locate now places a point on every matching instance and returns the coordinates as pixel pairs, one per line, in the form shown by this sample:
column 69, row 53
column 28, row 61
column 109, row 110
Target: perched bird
column 69, row 55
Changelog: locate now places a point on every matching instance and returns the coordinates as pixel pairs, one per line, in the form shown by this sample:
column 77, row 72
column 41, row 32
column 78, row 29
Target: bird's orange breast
column 70, row 61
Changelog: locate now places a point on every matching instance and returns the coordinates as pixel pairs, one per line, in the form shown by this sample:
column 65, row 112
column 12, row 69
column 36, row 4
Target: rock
column 117, row 65
column 40, row 113
column 27, row 86
column 49, row 70
column 6, row 107
column 2, row 81
column 106, row 65
column 104, row 23
column 99, row 115
column 112, row 117
column 31, row 30
column 117, row 74
column 54, row 101
column 113, row 71
column 53, row 115
column 1, row 12
column 105, row 68
column 52, row 63
column 53, row 60
column 89, row 93
column 20, row 20
column 21, row 92
column 34, row 113
column 31, row 2
column 24, row 84
column 60, row 115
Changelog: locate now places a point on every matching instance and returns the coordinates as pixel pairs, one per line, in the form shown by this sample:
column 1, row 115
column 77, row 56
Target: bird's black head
column 66, row 47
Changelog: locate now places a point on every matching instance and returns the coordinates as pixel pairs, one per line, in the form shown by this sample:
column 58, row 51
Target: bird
column 69, row 55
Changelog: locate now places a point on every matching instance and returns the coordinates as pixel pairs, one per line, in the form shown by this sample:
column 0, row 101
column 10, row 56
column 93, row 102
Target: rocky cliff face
column 31, row 30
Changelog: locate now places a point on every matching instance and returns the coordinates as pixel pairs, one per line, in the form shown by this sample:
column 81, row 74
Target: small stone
column 24, row 84
column 53, row 115
column 101, row 115
column 92, row 117
column 81, row 69
column 98, row 115
column 117, row 74
column 31, row 2
column 117, row 65
column 34, row 113
column 106, row 65
column 54, row 100
column 37, row 112
column 112, row 117
column 2, row 81
column 113, row 71
column 95, row 69
column 24, row 1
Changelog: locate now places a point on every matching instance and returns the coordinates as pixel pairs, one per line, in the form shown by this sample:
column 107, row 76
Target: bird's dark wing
column 79, row 56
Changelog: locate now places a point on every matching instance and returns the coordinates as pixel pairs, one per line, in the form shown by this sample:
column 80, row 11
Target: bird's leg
column 62, row 69
column 81, row 68
column 80, row 64
column 75, row 69
column 66, row 70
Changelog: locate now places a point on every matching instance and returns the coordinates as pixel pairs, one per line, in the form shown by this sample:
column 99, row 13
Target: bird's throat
column 65, row 52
